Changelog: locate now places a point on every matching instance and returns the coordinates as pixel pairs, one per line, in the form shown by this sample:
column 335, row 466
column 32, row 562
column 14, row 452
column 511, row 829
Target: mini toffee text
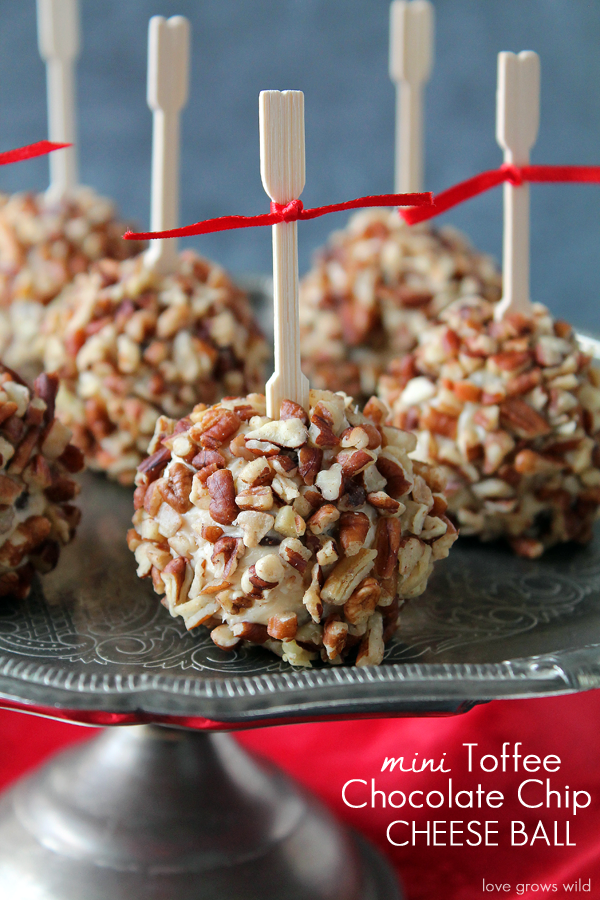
column 454, row 788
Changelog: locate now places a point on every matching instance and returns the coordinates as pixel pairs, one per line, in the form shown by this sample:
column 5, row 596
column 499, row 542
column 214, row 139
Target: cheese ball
column 374, row 288
column 301, row 534
column 131, row 344
column 36, row 485
column 511, row 411
column 44, row 244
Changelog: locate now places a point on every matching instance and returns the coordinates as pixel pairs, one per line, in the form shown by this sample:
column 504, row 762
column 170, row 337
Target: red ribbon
column 516, row 175
column 289, row 212
column 41, row 148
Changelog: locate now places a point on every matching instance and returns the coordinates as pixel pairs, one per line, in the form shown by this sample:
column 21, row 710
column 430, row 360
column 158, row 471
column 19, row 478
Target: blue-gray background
column 336, row 52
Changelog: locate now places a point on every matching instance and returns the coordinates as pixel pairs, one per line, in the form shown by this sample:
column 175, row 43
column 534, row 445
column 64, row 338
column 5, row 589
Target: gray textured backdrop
column 336, row 52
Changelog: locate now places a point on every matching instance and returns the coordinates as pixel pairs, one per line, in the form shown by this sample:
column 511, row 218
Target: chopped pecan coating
column 152, row 345
column 302, row 568
column 492, row 402
column 36, row 484
column 371, row 292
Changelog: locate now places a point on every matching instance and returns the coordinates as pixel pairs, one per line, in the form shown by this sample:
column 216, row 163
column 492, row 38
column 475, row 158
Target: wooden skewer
column 282, row 169
column 411, row 60
column 168, row 82
column 58, row 41
column 517, row 122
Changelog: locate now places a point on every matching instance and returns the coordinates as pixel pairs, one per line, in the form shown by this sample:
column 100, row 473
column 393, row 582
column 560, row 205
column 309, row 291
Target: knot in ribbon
column 284, row 212
column 289, row 212
column 514, row 174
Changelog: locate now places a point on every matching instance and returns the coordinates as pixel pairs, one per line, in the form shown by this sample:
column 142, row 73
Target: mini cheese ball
column 44, row 244
column 301, row 534
column 511, row 411
column 131, row 345
column 374, row 288
column 37, row 462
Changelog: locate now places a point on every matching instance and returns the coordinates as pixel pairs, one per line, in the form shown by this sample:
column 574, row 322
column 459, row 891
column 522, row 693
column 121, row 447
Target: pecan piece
column 258, row 498
column 176, row 489
column 61, row 490
column 289, row 433
column 208, row 458
column 398, row 480
column 221, row 488
column 72, row 459
column 361, row 437
column 257, row 473
column 224, row 638
column 253, row 585
column 321, row 432
column 354, row 462
column 354, row 527
column 238, row 448
column 283, row 626
column 376, row 410
column 361, row 603
column 215, row 428
column 45, row 387
column 510, row 360
column 211, row 533
column 251, row 631
column 439, row 423
column 226, row 553
column 432, row 475
column 346, row 576
column 153, row 497
column 323, row 518
column 335, row 633
column 372, row 647
column 174, row 577
column 153, row 466
column 387, row 542
column 24, row 451
column 381, row 500
column 6, row 411
column 138, row 497
column 522, row 419
column 309, row 463
column 255, row 526
column 291, row 410
column 295, row 553
column 312, row 596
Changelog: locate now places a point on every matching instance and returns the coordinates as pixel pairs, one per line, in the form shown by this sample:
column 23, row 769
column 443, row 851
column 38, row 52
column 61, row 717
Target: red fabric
column 324, row 756
column 289, row 212
column 41, row 148
column 465, row 190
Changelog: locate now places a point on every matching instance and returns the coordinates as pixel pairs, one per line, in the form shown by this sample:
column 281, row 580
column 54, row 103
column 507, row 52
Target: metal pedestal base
column 158, row 813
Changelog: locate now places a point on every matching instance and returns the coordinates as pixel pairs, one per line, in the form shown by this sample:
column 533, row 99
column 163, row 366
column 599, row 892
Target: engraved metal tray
column 94, row 642
column 95, row 638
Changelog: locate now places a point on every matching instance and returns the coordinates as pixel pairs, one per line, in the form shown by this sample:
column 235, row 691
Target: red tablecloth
column 325, row 756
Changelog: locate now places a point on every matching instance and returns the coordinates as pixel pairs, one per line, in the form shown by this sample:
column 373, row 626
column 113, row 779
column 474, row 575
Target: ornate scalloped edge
column 550, row 673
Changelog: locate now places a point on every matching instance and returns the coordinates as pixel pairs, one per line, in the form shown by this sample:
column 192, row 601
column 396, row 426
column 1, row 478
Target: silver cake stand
column 173, row 807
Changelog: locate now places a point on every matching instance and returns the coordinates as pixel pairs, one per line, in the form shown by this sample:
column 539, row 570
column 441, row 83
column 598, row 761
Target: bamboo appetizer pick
column 168, row 82
column 517, row 122
column 58, row 41
column 282, row 169
column 411, row 60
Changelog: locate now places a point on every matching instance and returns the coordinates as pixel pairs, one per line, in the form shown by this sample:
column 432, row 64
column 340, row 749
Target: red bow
column 288, row 212
column 41, row 148
column 516, row 175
